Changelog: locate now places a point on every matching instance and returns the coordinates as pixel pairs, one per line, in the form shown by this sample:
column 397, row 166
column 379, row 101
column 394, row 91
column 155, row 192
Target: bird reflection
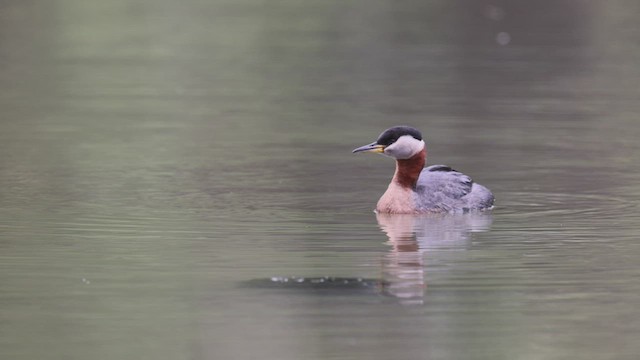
column 411, row 237
column 404, row 268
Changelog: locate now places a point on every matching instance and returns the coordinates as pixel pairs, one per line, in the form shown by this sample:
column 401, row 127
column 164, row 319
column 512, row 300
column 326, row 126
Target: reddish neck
column 408, row 170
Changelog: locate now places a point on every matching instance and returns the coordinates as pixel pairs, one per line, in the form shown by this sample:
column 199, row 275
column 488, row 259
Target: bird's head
column 399, row 142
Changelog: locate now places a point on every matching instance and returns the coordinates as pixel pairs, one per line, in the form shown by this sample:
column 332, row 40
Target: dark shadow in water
column 321, row 285
column 403, row 267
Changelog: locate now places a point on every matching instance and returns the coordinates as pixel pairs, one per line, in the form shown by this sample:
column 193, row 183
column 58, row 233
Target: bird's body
column 415, row 189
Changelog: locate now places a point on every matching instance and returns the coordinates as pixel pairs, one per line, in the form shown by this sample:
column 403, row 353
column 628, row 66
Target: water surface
column 161, row 162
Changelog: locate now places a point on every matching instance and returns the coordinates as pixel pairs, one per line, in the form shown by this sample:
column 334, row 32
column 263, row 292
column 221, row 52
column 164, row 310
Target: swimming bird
column 415, row 189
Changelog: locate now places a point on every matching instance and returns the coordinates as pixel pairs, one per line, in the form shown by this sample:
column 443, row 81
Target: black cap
column 390, row 135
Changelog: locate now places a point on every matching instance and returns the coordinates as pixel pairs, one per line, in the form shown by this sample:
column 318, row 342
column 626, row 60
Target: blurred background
column 158, row 159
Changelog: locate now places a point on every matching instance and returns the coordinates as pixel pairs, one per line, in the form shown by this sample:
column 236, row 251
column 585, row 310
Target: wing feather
column 441, row 187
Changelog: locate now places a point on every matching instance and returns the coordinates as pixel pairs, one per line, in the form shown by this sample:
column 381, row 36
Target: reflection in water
column 411, row 236
column 403, row 267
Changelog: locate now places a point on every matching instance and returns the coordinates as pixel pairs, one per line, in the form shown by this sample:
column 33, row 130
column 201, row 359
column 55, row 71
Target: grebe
column 415, row 189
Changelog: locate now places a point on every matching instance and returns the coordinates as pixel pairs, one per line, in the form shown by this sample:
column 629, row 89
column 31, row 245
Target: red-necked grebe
column 415, row 189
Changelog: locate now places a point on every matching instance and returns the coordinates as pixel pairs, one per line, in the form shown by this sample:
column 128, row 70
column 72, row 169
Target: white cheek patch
column 405, row 147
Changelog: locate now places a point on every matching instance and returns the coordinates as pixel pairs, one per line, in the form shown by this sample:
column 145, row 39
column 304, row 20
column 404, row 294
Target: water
column 161, row 162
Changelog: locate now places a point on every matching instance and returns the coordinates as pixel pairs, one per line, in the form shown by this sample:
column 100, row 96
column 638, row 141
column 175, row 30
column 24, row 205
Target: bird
column 415, row 189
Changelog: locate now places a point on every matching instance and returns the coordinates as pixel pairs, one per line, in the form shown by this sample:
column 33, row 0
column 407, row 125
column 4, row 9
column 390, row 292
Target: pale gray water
column 161, row 161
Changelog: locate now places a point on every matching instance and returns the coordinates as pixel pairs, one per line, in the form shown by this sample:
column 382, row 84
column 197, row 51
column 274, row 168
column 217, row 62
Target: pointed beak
column 373, row 147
